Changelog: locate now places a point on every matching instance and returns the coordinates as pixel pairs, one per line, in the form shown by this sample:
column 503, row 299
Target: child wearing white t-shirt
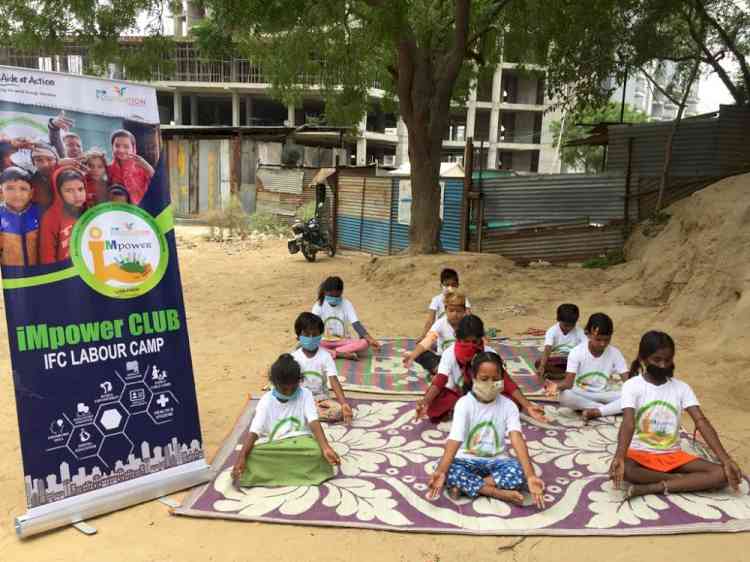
column 586, row 386
column 286, row 445
column 440, row 336
column 337, row 314
column 559, row 341
column 475, row 461
column 436, row 310
column 319, row 372
column 649, row 456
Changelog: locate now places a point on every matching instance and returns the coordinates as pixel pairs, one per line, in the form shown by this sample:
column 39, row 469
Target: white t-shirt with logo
column 564, row 343
column 657, row 410
column 275, row 420
column 446, row 335
column 316, row 370
column 481, row 427
column 336, row 319
column 449, row 367
column 592, row 373
column 437, row 304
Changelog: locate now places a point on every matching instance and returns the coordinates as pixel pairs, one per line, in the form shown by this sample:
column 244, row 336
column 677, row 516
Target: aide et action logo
column 117, row 94
column 119, row 250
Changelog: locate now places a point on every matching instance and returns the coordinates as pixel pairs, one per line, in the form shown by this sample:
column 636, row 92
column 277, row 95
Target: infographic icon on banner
column 119, row 250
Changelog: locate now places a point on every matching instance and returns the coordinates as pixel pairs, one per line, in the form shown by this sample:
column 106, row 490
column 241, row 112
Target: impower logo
column 123, row 246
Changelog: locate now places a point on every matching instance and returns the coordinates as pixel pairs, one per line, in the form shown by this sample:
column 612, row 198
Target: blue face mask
column 333, row 301
column 283, row 397
column 310, row 343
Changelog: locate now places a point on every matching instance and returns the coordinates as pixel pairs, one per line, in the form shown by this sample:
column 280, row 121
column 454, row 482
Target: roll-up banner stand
column 101, row 362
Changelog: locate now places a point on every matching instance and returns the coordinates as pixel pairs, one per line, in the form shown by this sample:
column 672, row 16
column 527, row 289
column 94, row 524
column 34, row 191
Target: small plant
column 306, row 212
column 232, row 220
column 612, row 257
column 132, row 264
column 266, row 223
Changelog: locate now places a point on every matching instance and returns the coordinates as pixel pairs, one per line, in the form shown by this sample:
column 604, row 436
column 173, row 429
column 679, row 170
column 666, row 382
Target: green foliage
column 589, row 158
column 306, row 212
column 266, row 223
column 232, row 221
column 613, row 257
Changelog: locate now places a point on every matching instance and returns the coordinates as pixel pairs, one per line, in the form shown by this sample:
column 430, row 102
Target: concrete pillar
column 235, row 109
column 402, row 147
column 290, row 116
column 497, row 98
column 193, row 110
column 248, row 110
column 362, row 142
column 177, row 102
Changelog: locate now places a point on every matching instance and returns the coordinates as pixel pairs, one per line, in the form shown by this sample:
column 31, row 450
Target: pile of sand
column 698, row 267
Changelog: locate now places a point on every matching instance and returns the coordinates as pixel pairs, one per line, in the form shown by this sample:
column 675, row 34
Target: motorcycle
column 311, row 237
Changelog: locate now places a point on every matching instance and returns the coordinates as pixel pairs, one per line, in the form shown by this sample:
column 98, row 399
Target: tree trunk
column 670, row 139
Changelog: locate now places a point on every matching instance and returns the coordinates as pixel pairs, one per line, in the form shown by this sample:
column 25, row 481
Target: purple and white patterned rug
column 387, row 460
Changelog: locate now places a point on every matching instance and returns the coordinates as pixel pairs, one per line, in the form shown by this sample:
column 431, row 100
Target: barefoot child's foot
column 590, row 414
column 351, row 356
column 510, row 496
column 454, row 493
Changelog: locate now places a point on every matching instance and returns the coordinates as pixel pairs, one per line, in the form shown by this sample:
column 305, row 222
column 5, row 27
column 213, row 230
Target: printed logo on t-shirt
column 593, row 379
column 564, row 348
column 483, row 440
column 314, row 381
column 447, row 344
column 334, row 326
column 658, row 423
column 294, row 425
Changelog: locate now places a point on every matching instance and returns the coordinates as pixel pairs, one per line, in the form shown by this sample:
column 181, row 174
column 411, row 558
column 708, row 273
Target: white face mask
column 487, row 391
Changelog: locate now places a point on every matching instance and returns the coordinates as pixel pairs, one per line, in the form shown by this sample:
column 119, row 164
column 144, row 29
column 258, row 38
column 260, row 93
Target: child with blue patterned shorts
column 475, row 461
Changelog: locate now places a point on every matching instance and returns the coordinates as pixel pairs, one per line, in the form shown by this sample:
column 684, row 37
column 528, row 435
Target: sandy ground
column 241, row 303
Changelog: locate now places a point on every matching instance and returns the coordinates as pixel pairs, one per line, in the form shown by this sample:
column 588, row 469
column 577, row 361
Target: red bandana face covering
column 465, row 351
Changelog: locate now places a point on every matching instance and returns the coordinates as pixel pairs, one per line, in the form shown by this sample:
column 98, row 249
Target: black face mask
column 660, row 372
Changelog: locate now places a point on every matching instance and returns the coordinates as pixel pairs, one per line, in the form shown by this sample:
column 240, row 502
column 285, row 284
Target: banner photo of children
column 96, row 320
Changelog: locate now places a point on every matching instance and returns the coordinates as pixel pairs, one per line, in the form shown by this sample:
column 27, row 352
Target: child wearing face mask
column 337, row 314
column 648, row 453
column 586, row 386
column 448, row 284
column 286, row 445
column 58, row 221
column 455, row 376
column 319, row 370
column 440, row 336
column 475, row 461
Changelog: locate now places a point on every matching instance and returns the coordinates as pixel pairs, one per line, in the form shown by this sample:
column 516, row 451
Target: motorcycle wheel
column 331, row 251
column 308, row 252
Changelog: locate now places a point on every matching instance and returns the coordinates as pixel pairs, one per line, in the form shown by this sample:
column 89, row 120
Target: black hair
column 307, row 321
column 470, row 326
column 285, row 370
column 118, row 189
column 448, row 274
column 330, row 284
column 6, row 149
column 68, row 175
column 15, row 173
column 122, row 133
column 601, row 324
column 568, row 313
column 651, row 342
column 487, row 357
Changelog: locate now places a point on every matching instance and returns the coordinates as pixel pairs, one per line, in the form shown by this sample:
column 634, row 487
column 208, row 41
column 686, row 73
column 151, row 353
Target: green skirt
column 296, row 461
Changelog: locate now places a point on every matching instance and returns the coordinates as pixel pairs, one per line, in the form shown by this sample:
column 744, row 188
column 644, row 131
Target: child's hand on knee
column 346, row 413
column 436, row 483
column 733, row 473
column 617, row 471
column 238, row 469
column 551, row 389
column 330, row 455
column 536, row 487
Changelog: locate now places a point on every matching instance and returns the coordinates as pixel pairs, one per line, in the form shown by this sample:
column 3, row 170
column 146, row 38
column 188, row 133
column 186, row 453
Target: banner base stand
column 85, row 506
column 84, row 528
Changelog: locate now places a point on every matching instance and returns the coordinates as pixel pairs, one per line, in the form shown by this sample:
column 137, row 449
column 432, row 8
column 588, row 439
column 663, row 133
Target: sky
column 712, row 92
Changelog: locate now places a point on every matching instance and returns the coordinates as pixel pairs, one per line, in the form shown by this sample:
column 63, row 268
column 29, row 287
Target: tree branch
column 714, row 62
column 490, row 22
column 657, row 86
column 728, row 41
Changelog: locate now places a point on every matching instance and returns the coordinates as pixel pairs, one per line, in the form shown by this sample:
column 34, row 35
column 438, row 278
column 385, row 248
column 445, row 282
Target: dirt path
column 241, row 304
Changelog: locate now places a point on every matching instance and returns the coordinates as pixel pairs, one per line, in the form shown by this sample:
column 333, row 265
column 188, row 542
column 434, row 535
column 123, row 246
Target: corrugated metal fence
column 556, row 217
column 370, row 218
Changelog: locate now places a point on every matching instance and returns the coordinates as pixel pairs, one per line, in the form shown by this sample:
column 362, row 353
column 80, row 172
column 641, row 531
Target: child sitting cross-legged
column 448, row 284
column 475, row 461
column 559, row 341
column 648, row 453
column 440, row 336
column 455, row 376
column 319, row 370
column 587, row 387
column 286, row 445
